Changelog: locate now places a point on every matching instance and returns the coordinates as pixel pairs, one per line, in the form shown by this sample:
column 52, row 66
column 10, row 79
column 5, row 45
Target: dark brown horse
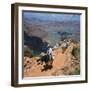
column 46, row 62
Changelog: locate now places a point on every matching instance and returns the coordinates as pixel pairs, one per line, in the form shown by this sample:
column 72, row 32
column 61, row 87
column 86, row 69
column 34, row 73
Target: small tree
column 28, row 52
column 64, row 36
column 76, row 52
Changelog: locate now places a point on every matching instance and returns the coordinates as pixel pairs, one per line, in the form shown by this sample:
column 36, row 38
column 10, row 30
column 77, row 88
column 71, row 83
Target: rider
column 49, row 53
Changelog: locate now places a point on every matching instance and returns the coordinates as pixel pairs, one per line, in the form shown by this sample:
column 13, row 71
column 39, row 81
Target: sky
column 51, row 16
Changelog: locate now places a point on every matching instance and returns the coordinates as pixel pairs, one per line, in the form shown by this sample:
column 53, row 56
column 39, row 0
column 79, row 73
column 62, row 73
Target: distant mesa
column 34, row 30
column 64, row 33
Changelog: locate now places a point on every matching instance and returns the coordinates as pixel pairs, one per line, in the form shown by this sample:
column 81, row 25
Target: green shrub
column 28, row 52
column 76, row 52
column 75, row 72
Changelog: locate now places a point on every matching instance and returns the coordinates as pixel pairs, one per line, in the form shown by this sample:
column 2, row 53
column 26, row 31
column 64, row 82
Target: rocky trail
column 63, row 64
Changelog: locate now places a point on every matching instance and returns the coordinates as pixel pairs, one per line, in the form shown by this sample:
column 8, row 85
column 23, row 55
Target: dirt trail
column 59, row 59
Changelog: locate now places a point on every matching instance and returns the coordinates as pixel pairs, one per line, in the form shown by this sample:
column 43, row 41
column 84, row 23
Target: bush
column 76, row 52
column 28, row 52
column 75, row 72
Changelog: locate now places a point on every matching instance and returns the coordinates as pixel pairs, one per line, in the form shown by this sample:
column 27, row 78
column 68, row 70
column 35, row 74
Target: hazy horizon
column 51, row 16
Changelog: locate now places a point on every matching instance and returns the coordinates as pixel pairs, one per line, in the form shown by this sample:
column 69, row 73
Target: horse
column 46, row 62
